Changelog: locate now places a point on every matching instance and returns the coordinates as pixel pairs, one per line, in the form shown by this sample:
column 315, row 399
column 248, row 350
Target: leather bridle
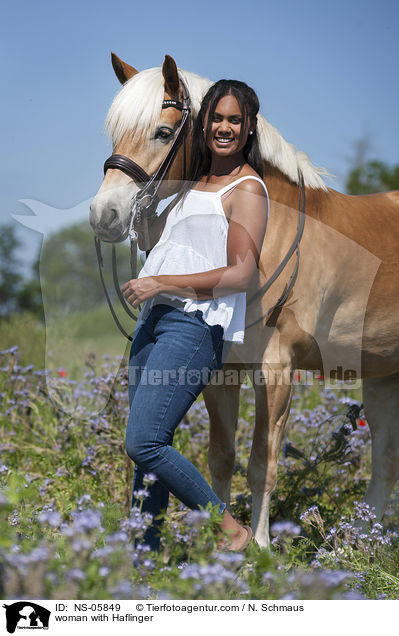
column 146, row 199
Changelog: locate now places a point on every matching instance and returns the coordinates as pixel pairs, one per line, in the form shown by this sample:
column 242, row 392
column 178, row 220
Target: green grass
column 64, row 341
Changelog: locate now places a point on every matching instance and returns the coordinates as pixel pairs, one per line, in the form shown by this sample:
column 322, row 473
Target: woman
column 205, row 250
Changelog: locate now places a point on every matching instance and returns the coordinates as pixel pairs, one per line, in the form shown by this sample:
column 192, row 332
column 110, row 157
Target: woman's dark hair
column 246, row 97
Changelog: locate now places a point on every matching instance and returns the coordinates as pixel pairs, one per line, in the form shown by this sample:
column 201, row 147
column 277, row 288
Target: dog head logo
column 25, row 614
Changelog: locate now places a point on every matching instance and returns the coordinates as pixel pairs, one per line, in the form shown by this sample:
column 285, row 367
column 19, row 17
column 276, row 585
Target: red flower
column 62, row 373
column 362, row 422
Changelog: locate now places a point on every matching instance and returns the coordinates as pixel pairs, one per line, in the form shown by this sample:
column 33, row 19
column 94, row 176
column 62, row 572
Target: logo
column 26, row 615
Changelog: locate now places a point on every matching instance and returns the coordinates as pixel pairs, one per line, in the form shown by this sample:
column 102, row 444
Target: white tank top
column 194, row 240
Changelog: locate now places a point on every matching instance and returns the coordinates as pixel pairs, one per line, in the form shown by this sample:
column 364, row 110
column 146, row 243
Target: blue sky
column 325, row 73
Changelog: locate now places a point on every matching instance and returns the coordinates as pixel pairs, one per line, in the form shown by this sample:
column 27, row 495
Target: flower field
column 67, row 529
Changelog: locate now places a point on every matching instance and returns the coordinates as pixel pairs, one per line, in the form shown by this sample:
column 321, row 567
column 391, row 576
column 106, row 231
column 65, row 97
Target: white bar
column 206, row 617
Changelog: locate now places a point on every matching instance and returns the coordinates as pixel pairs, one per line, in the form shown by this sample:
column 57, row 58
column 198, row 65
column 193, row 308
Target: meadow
column 67, row 529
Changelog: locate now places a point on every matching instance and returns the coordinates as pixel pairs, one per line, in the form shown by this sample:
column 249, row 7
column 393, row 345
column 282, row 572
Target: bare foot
column 237, row 535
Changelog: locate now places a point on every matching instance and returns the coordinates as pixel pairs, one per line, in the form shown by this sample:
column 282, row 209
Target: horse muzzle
column 107, row 221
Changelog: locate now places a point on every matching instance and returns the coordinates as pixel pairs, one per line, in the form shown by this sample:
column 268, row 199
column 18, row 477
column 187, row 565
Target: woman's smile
column 225, row 132
column 223, row 140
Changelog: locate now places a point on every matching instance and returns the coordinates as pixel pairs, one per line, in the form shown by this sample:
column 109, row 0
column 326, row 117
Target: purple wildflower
column 52, row 518
column 76, row 575
column 123, row 590
column 197, row 518
column 86, row 498
column 149, row 479
column 86, row 520
column 141, row 494
column 285, row 527
column 117, row 537
column 209, row 574
column 80, row 544
column 12, row 350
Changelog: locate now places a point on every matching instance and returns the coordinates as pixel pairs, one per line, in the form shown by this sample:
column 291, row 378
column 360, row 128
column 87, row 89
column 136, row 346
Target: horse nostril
column 106, row 219
column 112, row 216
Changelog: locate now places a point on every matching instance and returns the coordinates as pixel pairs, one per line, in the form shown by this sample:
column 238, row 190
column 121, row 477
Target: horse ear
column 122, row 70
column 171, row 76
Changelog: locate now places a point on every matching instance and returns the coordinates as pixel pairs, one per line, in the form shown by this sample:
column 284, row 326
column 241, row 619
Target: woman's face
column 224, row 134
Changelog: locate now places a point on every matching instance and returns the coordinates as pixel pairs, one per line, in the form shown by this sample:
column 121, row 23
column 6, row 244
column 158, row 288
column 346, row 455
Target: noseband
column 146, row 199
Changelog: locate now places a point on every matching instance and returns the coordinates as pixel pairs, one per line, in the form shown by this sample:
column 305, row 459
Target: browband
column 172, row 102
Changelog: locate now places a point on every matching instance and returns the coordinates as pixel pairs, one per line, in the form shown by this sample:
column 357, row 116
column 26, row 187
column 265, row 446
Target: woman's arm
column 248, row 216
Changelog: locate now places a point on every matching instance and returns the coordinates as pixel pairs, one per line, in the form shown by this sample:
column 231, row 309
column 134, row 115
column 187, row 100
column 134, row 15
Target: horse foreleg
column 222, row 403
column 272, row 404
column 381, row 406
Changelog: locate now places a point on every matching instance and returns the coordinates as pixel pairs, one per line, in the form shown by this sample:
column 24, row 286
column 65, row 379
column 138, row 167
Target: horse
column 340, row 316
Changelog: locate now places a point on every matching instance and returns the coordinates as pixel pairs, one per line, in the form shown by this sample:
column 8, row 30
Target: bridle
column 294, row 247
column 146, row 199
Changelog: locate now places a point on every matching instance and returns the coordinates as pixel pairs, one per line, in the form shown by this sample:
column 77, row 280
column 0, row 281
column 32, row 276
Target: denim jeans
column 173, row 356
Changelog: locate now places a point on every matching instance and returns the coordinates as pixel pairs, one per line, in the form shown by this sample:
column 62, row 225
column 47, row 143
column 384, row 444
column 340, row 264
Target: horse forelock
column 137, row 107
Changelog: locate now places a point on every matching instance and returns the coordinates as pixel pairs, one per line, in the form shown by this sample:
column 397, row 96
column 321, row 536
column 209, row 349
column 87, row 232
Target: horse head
column 143, row 131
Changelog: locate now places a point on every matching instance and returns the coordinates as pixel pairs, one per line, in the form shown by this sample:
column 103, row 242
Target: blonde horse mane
column 136, row 110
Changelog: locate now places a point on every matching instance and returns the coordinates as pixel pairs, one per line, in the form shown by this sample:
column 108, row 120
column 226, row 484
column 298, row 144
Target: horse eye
column 163, row 133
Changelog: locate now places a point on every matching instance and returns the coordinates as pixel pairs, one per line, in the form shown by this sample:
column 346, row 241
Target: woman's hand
column 139, row 289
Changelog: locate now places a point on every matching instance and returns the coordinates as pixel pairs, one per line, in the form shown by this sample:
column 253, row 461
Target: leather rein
column 146, row 201
column 294, row 247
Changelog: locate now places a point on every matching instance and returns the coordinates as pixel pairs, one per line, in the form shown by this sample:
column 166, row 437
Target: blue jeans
column 173, row 356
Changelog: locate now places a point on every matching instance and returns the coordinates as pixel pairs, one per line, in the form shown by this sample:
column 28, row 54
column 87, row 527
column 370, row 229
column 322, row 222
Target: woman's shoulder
column 249, row 197
column 243, row 180
column 251, row 182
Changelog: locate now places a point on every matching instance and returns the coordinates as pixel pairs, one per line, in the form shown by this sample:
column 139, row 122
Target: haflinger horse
column 340, row 317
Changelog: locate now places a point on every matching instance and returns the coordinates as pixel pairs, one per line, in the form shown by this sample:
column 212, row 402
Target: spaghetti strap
column 228, row 187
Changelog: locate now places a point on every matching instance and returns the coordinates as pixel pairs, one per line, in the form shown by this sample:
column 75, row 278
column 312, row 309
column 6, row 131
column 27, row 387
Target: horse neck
column 286, row 192
column 280, row 187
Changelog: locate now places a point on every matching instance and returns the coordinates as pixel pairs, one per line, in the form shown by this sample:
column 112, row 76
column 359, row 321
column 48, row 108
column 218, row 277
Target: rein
column 293, row 247
column 146, row 199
